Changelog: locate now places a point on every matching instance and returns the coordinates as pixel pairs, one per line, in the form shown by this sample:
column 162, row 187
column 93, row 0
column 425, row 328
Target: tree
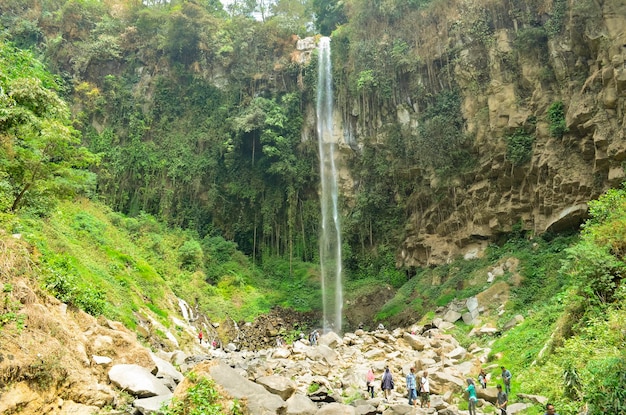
column 329, row 14
column 40, row 153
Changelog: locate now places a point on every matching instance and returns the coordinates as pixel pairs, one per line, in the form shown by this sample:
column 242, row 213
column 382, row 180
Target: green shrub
column 519, row 146
column 605, row 391
column 67, row 289
column 190, row 255
column 556, row 118
column 200, row 399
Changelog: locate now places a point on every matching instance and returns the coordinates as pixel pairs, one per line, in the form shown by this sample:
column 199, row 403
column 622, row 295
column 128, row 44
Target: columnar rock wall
column 509, row 86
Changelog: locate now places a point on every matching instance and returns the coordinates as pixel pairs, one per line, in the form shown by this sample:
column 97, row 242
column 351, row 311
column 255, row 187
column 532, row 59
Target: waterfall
column 330, row 238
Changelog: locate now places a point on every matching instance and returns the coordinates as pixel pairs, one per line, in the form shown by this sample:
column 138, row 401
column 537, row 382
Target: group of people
column 422, row 389
column 213, row 343
column 387, row 385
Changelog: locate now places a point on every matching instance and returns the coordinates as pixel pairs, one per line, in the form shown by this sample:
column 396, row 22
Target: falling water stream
column 330, row 238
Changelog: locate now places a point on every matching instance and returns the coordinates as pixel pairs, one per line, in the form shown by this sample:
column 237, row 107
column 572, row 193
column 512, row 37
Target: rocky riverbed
column 329, row 378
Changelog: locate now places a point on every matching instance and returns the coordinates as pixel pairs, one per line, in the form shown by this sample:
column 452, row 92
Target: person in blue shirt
column 411, row 386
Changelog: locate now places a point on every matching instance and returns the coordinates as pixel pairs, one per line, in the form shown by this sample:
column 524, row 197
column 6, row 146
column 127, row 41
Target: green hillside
column 129, row 179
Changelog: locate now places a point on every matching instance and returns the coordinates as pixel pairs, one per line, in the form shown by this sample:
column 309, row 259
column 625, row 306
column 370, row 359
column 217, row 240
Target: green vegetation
column 40, row 154
column 202, row 398
column 105, row 263
column 575, row 332
column 556, row 118
column 519, row 146
column 557, row 19
column 9, row 311
column 190, row 123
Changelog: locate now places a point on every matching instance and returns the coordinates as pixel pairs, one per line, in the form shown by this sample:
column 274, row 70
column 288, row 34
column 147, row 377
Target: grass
column 106, row 263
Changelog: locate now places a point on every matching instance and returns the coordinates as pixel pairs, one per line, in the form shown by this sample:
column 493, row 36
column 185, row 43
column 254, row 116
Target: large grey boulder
column 281, row 353
column 443, row 381
column 416, row 342
column 137, row 380
column 517, row 407
column 300, row 405
column 278, row 385
column 166, row 370
column 336, row 409
column 541, row 400
column 488, row 394
column 323, row 353
column 472, row 304
column 258, row 400
column 331, row 339
column 147, row 406
column 365, row 409
column 451, row 316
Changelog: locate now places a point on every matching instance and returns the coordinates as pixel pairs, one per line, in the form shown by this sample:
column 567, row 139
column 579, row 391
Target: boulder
column 257, row 399
column 457, row 353
column 517, row 407
column 442, row 382
column 451, row 316
column 137, row 380
column 472, row 304
column 278, row 385
column 147, row 406
column 416, row 342
column 166, row 370
column 281, row 353
column 538, row 399
column 336, row 409
column 330, row 339
column 488, row 394
column 300, row 405
column 517, row 319
column 322, row 353
column 365, row 409
column 101, row 360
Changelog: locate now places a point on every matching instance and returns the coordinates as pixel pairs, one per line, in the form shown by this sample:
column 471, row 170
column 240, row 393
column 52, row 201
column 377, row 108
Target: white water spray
column 330, row 238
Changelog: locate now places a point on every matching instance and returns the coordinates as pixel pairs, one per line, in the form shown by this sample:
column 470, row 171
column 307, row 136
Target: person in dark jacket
column 387, row 383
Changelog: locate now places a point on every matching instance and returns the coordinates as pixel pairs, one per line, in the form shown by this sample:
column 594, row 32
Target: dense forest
column 462, row 124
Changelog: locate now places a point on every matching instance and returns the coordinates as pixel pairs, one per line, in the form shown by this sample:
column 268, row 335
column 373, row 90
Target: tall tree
column 40, row 153
column 328, row 15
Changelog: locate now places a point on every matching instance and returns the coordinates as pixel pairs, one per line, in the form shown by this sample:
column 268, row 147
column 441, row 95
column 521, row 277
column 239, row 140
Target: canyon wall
column 556, row 79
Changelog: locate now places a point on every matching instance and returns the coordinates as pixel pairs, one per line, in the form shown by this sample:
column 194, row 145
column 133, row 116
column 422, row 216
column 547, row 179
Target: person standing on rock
column 425, row 393
column 200, row 336
column 369, row 379
column 482, row 378
column 472, row 399
column 503, row 400
column 313, row 338
column 411, row 385
column 387, row 383
column 506, row 378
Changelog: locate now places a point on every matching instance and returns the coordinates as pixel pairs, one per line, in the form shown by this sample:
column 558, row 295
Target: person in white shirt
column 425, row 393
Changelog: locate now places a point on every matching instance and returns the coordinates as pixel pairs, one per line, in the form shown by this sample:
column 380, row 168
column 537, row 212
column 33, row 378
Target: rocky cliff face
column 519, row 77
